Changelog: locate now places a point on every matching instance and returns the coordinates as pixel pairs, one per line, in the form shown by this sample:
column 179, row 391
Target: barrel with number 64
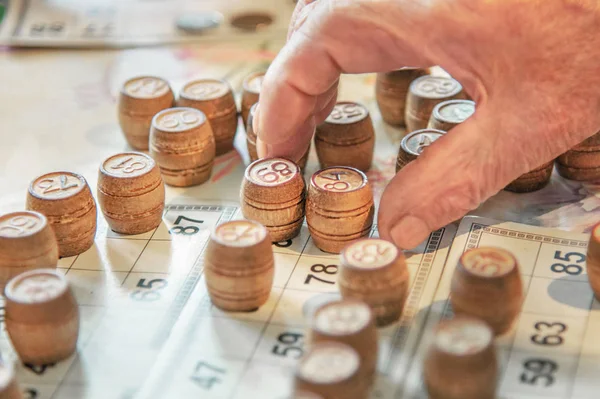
column 339, row 207
column 239, row 266
column 131, row 193
column 273, row 193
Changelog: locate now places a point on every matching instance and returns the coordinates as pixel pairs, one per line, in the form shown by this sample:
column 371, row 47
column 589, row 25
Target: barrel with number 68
column 131, row 193
column 273, row 193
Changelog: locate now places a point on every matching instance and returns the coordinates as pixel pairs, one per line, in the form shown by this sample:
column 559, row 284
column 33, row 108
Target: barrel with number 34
column 131, row 193
column 273, row 194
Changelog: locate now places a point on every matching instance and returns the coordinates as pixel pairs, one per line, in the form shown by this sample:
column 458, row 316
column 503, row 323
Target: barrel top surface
column 454, row 111
column 127, row 165
column 57, row 185
column 146, row 87
column 21, row 224
column 435, row 87
column 415, row 142
column 369, row 253
column 329, row 363
column 272, row 171
column 239, row 233
column 463, row 336
column 178, row 119
column 36, row 286
column 488, row 262
column 342, row 317
column 253, row 83
column 339, row 179
column 346, row 112
column 205, row 89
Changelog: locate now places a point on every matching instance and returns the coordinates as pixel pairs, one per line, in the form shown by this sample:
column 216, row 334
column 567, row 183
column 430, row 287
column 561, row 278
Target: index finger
column 334, row 39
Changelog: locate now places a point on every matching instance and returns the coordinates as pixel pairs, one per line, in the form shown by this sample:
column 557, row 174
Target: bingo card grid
column 148, row 329
column 550, row 352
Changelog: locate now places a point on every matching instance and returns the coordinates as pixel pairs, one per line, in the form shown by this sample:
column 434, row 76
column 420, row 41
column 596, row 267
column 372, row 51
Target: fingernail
column 263, row 149
column 409, row 232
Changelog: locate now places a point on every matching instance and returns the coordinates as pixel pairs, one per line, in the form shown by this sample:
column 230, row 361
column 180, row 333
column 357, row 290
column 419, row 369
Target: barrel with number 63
column 374, row 271
column 273, row 193
column 131, row 193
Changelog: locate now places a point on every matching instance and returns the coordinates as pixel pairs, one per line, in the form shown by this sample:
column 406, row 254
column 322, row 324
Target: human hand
column 532, row 67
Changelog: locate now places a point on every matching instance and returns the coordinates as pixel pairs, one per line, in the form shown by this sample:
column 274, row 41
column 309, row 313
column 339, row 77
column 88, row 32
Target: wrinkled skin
column 532, row 66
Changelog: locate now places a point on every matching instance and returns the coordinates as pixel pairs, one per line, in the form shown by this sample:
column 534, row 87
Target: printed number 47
column 185, row 230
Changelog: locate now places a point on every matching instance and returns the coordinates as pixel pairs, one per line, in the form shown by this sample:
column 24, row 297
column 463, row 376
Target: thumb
column 452, row 176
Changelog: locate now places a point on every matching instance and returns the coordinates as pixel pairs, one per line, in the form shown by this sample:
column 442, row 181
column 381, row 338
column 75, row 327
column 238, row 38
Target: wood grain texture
column 487, row 285
column 67, row 202
column 339, row 207
column 140, row 98
column 131, row 193
column 27, row 242
column 375, row 271
column 239, row 266
column 42, row 317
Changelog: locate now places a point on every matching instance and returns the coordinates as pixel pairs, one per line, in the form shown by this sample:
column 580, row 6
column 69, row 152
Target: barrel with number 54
column 131, row 193
column 239, row 266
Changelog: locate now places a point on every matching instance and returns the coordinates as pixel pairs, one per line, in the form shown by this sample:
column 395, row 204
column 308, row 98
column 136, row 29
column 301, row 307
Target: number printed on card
column 57, row 185
column 549, row 333
column 272, row 172
column 570, row 263
column 289, row 344
column 327, row 274
column 539, row 372
column 206, row 375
